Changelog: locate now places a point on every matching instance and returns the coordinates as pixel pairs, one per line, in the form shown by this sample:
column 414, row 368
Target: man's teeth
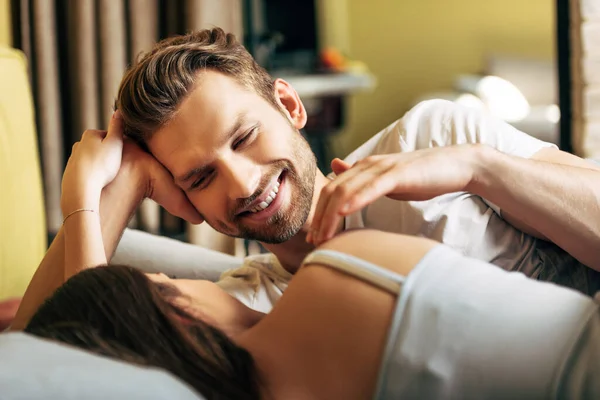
column 264, row 204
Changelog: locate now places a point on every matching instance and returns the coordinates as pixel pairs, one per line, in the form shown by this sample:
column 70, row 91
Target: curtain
column 78, row 51
column 580, row 80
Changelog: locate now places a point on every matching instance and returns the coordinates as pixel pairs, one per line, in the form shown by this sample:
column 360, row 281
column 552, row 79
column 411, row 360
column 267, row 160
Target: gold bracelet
column 76, row 211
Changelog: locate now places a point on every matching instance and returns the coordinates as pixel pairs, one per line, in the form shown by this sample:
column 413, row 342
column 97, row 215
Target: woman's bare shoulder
column 316, row 288
column 395, row 252
column 324, row 314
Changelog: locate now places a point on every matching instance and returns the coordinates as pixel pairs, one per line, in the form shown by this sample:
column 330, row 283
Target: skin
column 295, row 372
column 98, row 162
column 555, row 198
column 195, row 138
column 207, row 301
column 306, row 347
column 231, row 170
column 139, row 176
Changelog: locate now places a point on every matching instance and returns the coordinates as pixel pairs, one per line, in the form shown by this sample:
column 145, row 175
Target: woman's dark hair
column 119, row 312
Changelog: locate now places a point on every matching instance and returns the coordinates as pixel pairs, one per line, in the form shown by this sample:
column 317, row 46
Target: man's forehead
column 216, row 85
column 187, row 156
column 215, row 110
column 204, row 114
column 213, row 104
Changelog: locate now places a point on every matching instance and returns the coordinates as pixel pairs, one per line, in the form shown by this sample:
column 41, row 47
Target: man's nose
column 243, row 177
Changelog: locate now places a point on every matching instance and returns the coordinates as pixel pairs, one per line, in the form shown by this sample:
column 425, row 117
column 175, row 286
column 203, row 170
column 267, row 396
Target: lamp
column 501, row 98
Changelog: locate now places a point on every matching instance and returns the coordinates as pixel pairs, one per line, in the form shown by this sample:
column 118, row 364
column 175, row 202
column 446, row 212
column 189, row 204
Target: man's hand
column 152, row 180
column 414, row 176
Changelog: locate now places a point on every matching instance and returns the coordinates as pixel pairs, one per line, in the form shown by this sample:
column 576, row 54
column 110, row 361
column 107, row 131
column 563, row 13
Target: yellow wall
column 5, row 26
column 418, row 46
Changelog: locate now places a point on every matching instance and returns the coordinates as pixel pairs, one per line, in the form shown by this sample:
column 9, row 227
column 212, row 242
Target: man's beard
column 287, row 222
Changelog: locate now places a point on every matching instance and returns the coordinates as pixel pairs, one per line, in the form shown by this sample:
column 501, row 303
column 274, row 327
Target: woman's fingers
column 165, row 192
column 115, row 127
column 92, row 136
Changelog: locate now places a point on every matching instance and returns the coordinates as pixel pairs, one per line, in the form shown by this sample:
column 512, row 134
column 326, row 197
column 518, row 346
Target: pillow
column 153, row 253
column 32, row 368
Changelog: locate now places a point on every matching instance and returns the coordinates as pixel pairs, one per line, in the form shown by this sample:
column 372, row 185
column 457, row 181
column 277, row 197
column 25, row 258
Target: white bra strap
column 357, row 267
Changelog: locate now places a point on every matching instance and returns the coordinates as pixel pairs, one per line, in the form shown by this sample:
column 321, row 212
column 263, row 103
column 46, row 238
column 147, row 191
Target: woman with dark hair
column 369, row 314
column 119, row 312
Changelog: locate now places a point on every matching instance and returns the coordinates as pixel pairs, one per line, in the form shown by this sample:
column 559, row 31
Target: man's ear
column 290, row 102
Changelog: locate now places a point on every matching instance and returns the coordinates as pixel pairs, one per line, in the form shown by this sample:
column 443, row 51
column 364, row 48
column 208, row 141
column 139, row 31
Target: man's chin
column 277, row 230
column 273, row 238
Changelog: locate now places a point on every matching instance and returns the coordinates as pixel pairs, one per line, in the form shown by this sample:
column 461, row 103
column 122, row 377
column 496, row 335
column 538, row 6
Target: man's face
column 241, row 162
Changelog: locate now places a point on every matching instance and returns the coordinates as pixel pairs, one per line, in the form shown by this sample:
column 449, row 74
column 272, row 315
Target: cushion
column 22, row 220
column 153, row 253
column 34, row 368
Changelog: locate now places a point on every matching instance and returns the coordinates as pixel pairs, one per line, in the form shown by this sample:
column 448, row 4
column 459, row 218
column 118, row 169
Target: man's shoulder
column 434, row 109
column 423, row 126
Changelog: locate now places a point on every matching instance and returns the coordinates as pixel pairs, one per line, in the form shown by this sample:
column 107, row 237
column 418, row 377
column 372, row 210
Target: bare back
column 326, row 336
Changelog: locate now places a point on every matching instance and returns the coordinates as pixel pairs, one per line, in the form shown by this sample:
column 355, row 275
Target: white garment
column 258, row 283
column 461, row 220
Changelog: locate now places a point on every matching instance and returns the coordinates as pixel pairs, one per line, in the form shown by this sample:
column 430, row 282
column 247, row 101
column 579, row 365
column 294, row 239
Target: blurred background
column 358, row 65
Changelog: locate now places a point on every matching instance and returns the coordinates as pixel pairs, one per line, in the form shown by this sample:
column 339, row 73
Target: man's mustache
column 243, row 204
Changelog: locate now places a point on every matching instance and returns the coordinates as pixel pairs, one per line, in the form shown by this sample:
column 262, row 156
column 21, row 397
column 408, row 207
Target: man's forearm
column 118, row 202
column 561, row 202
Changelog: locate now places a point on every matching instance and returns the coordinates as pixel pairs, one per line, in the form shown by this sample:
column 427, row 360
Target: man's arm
column 539, row 189
column 553, row 195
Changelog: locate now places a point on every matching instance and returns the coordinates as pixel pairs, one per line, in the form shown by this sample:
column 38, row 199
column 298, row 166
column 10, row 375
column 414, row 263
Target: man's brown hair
column 154, row 87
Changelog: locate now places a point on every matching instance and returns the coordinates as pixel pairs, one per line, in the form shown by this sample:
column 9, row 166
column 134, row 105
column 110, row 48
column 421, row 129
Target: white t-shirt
column 464, row 221
column 258, row 283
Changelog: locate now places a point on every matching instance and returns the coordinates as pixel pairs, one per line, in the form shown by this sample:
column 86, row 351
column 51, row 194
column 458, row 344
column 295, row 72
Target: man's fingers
column 336, row 199
column 328, row 192
column 383, row 183
column 339, row 166
column 328, row 226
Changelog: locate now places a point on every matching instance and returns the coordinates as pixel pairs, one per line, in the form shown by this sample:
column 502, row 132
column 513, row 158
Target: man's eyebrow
column 237, row 124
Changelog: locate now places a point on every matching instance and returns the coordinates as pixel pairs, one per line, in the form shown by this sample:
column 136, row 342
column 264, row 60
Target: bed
column 33, row 368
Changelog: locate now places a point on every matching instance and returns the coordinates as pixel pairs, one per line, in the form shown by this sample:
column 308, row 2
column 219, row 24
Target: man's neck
column 291, row 252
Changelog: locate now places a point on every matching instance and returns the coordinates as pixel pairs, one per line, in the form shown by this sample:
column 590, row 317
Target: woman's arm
column 94, row 163
column 139, row 176
column 81, row 242
column 119, row 201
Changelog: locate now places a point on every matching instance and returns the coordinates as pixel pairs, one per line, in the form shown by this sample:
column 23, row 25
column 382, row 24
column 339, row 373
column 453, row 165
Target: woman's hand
column 143, row 174
column 94, row 163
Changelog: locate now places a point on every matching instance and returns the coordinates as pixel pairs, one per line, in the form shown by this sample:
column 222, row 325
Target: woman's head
column 119, row 312
column 207, row 301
